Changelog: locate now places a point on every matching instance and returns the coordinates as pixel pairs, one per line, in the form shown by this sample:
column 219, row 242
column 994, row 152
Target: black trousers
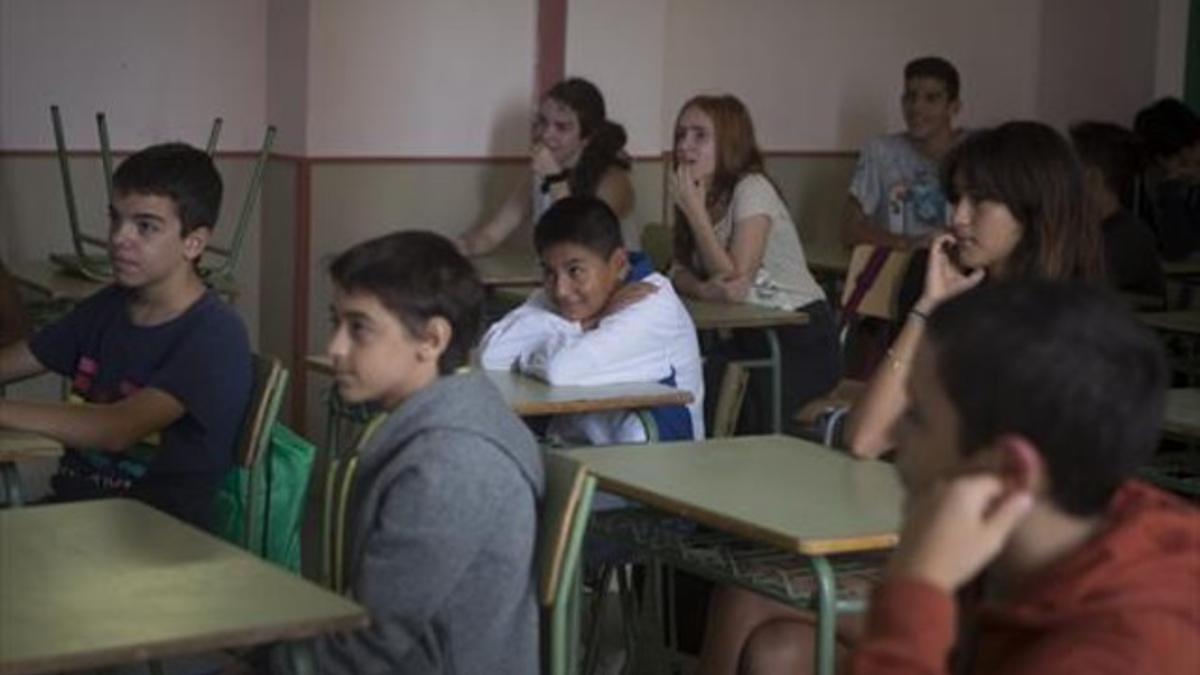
column 811, row 366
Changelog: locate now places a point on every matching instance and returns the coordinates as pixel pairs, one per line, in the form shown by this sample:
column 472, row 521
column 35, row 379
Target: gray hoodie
column 443, row 530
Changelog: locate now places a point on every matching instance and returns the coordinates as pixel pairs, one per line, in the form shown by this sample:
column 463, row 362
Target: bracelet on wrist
column 919, row 314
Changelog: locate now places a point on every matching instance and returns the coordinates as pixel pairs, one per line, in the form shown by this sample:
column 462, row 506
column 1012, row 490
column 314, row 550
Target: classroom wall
column 416, row 113
column 421, row 78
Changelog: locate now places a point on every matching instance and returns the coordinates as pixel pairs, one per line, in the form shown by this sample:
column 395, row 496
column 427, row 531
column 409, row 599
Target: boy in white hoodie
column 603, row 316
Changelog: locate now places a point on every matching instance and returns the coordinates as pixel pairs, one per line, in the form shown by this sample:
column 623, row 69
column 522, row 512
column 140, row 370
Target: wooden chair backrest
column 656, row 243
column 564, row 489
column 270, row 382
column 879, row 299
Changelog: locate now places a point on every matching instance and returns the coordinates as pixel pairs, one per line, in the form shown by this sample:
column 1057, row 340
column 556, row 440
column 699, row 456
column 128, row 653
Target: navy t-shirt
column 201, row 358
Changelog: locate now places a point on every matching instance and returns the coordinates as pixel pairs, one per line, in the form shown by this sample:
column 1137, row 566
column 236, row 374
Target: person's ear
column 434, row 340
column 1020, row 464
column 618, row 262
column 955, row 107
column 195, row 242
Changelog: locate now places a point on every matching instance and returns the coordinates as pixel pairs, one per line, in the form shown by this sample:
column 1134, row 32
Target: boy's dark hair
column 178, row 171
column 1115, row 151
column 417, row 276
column 1064, row 365
column 936, row 68
column 586, row 221
column 1166, row 127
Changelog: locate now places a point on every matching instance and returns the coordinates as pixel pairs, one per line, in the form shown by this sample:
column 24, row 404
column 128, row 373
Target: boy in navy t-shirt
column 159, row 366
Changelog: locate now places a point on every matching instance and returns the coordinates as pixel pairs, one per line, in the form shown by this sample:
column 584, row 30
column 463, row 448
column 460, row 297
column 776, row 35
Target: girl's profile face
column 556, row 126
column 985, row 231
column 696, row 143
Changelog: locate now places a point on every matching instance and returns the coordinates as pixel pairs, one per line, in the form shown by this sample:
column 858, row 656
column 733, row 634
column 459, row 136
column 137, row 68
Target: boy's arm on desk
column 111, row 427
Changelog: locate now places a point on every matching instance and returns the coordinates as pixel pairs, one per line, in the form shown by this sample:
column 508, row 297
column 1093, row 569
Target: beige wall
column 421, row 78
column 161, row 69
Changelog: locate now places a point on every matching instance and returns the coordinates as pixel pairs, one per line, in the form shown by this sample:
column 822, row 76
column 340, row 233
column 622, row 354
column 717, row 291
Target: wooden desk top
column 99, row 583
column 711, row 315
column 528, row 396
column 1182, row 414
column 17, row 445
column 46, row 278
column 792, row 494
column 508, row 268
column 1180, row 321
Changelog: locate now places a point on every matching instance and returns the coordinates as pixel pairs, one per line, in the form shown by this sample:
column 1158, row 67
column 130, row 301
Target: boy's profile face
column 927, row 434
column 927, row 107
column 375, row 357
column 579, row 281
column 145, row 240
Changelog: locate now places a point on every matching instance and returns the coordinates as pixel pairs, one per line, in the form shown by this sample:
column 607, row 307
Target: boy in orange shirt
column 1032, row 405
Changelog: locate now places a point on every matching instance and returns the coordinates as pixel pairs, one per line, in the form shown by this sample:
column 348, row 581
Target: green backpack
column 262, row 509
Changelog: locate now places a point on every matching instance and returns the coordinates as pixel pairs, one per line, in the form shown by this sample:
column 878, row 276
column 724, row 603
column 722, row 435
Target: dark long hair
column 1030, row 168
column 605, row 138
column 737, row 155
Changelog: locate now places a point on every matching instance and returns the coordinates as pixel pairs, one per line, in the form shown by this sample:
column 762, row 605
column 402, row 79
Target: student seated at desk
column 1021, row 493
column 735, row 242
column 445, row 500
column 159, row 365
column 896, row 199
column 1019, row 213
column 603, row 317
column 576, row 151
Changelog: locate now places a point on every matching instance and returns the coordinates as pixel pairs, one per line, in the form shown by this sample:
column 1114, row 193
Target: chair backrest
column 269, row 385
column 881, row 281
column 656, row 243
column 566, row 508
column 729, row 400
column 266, row 396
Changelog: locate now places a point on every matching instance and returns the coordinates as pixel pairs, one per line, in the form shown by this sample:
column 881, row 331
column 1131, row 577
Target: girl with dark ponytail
column 576, row 150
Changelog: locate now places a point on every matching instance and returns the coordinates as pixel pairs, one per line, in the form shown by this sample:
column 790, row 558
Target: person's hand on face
column 944, row 278
column 688, row 191
column 542, row 161
column 956, row 528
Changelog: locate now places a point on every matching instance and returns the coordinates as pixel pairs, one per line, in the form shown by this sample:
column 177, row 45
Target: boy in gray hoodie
column 443, row 519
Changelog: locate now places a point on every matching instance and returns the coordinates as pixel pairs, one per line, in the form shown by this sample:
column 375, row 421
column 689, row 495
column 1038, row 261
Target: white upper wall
column 826, row 74
column 1097, row 60
column 618, row 45
column 160, row 69
column 451, row 78
column 423, row 77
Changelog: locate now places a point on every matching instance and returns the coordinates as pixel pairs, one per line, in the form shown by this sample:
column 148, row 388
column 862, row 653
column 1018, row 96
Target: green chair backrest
column 566, row 508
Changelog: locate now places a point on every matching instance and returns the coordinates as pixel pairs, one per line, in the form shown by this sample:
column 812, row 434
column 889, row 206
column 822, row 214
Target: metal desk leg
column 649, row 425
column 825, row 657
column 776, row 382
column 11, row 480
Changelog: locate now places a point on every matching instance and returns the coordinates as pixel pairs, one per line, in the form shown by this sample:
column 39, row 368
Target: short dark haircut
column 936, row 68
column 180, row 172
column 418, row 276
column 1064, row 365
column 586, row 221
column 1167, row 127
column 1115, row 151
